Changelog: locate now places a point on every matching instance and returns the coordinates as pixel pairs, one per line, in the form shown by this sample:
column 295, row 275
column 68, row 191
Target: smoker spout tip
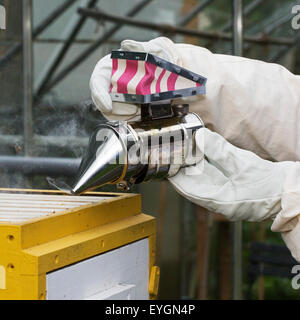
column 60, row 185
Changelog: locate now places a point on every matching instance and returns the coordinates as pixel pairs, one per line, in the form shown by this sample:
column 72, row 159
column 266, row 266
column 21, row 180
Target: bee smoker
column 155, row 147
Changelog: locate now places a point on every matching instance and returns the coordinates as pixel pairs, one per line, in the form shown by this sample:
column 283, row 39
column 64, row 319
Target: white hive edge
column 19, row 207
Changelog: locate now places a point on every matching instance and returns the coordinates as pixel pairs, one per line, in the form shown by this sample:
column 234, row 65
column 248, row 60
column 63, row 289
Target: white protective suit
column 252, row 104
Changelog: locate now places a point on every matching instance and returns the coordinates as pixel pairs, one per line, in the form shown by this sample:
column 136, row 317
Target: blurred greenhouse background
column 48, row 114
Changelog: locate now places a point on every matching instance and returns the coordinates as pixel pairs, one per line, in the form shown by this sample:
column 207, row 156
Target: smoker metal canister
column 129, row 153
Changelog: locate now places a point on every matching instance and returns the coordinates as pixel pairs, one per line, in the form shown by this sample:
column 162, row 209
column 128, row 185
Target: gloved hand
column 100, row 87
column 251, row 103
column 242, row 186
column 101, row 77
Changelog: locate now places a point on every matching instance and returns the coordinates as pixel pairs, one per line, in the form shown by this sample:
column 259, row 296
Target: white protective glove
column 101, row 76
column 251, row 103
column 242, row 186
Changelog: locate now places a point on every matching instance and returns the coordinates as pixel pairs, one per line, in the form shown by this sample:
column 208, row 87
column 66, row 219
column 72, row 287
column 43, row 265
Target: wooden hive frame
column 31, row 248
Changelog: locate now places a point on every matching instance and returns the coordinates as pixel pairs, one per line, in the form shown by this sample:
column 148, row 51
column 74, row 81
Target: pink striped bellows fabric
column 142, row 77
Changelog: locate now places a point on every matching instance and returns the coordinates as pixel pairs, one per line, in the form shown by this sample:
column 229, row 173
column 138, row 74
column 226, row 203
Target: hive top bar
column 21, row 207
column 140, row 78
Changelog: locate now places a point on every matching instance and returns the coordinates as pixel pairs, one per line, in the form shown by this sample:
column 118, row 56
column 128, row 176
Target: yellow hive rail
column 30, row 249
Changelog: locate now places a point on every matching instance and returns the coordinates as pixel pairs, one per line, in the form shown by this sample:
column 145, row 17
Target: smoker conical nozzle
column 103, row 162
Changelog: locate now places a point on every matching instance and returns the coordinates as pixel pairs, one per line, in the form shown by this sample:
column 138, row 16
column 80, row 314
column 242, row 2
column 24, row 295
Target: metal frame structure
column 28, row 76
column 237, row 49
column 31, row 165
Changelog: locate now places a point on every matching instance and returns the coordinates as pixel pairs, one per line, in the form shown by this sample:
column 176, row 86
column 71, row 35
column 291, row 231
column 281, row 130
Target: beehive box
column 96, row 246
